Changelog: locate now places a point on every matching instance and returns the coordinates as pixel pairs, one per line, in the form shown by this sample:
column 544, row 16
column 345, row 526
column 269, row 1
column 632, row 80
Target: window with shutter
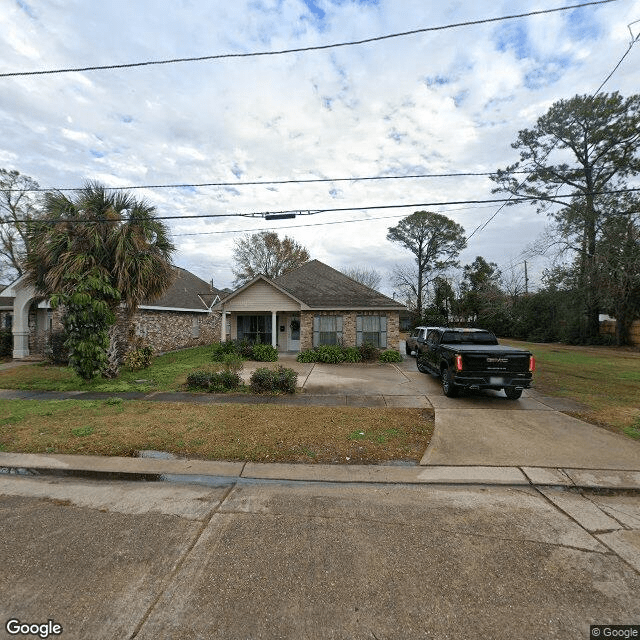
column 372, row 330
column 327, row 330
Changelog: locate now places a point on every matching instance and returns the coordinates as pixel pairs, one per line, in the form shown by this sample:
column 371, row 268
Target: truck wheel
column 421, row 367
column 448, row 388
column 512, row 393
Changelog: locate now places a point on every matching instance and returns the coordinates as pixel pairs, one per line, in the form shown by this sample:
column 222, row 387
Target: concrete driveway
column 485, row 428
column 384, row 385
column 482, row 428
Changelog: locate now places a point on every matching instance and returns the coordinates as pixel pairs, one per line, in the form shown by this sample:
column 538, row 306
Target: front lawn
column 166, row 373
column 266, row 433
column 604, row 379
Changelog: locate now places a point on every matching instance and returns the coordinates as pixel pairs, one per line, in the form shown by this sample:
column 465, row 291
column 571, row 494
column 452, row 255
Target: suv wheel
column 448, row 388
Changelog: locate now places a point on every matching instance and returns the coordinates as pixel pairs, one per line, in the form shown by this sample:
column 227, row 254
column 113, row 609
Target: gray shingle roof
column 183, row 293
column 321, row 287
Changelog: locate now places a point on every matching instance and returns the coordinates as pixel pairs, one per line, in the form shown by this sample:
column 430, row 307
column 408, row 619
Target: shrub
column 6, row 343
column 224, row 381
column 57, row 352
column 264, row 353
column 310, row 355
column 233, row 362
column 244, row 348
column 390, row 356
column 220, row 350
column 369, row 352
column 199, row 380
column 139, row 358
column 352, row 354
column 213, row 381
column 282, row 380
column 330, row 353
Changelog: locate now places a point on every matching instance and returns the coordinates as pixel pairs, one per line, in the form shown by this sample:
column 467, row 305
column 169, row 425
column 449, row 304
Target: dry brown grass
column 221, row 432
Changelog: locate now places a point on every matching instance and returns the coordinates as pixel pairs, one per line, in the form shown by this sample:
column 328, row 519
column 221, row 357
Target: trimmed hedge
column 264, row 353
column 335, row 354
column 281, row 380
column 222, row 351
column 214, row 382
column 390, row 356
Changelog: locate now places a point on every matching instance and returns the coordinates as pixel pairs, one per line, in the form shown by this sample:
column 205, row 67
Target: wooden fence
column 609, row 327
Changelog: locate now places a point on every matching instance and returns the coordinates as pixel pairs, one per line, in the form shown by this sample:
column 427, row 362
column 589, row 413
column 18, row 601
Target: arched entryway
column 31, row 323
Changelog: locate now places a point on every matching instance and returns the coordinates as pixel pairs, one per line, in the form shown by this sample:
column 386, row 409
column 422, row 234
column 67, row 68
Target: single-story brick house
column 182, row 317
column 310, row 306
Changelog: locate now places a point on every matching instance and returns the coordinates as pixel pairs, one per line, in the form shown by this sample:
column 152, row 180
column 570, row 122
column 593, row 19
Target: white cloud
column 445, row 101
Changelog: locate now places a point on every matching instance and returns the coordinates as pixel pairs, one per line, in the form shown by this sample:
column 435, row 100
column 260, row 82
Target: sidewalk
column 213, row 472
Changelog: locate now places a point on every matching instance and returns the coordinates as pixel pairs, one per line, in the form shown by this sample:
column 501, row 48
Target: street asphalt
column 519, row 522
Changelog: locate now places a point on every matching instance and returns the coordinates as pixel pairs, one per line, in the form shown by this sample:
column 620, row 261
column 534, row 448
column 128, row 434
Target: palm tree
column 108, row 234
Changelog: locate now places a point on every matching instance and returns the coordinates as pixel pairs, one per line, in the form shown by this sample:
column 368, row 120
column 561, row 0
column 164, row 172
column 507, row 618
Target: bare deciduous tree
column 17, row 203
column 264, row 253
column 367, row 276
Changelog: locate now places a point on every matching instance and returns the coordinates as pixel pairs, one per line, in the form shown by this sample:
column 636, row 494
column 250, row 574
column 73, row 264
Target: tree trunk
column 113, row 361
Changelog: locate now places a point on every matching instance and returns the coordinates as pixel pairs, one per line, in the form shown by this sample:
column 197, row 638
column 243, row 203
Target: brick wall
column 349, row 327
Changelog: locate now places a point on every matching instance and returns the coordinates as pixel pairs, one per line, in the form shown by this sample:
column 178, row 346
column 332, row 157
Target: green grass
column 166, row 373
column 605, row 380
column 633, row 431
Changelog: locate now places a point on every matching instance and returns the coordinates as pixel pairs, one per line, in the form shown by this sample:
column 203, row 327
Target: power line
column 352, row 43
column 263, row 182
column 481, row 227
column 313, row 224
column 316, row 211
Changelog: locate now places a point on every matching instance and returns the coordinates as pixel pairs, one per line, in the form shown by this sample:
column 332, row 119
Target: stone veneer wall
column 349, row 327
column 171, row 330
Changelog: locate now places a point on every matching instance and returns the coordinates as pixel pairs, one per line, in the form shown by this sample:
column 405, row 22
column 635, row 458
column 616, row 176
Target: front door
column 293, row 333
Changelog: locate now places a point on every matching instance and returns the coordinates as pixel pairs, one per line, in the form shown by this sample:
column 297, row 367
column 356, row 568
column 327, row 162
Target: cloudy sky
column 447, row 101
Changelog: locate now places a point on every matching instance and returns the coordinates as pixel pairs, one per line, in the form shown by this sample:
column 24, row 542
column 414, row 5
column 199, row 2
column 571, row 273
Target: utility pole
column 526, row 279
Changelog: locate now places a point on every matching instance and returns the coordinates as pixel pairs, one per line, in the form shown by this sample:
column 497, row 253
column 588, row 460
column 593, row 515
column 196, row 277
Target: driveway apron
column 488, row 429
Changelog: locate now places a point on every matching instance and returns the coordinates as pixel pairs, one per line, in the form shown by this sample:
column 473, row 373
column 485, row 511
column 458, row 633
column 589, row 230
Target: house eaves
column 150, row 307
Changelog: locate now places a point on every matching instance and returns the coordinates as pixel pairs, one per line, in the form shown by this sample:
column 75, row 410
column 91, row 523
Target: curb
column 186, row 470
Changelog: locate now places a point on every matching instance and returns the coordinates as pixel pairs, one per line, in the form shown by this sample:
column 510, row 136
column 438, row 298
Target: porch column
column 274, row 330
column 20, row 328
column 20, row 344
column 223, row 326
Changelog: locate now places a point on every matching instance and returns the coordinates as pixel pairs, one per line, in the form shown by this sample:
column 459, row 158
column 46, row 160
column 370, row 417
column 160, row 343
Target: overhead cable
column 225, row 56
column 264, row 182
column 316, row 211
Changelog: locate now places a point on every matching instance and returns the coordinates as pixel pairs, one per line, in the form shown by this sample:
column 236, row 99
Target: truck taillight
column 532, row 364
column 458, row 363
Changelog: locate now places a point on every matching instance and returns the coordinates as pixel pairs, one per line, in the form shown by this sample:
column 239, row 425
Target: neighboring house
column 182, row 317
column 6, row 310
column 310, row 306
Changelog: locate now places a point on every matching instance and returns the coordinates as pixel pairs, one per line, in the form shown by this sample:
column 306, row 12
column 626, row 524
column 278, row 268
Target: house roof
column 187, row 292
column 319, row 286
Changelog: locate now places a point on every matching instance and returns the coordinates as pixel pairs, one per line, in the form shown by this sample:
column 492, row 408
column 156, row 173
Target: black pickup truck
column 473, row 359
